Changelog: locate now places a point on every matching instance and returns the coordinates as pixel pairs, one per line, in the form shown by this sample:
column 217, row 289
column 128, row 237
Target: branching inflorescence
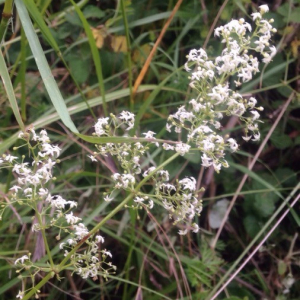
column 51, row 211
column 209, row 78
column 200, row 119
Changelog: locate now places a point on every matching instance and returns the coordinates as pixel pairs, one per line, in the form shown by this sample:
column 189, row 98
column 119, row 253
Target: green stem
column 44, row 236
column 6, row 15
column 95, row 54
column 36, row 288
column 23, row 74
column 128, row 54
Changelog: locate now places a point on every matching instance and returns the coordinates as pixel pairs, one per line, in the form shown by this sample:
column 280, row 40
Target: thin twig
column 149, row 58
column 212, row 27
column 256, row 249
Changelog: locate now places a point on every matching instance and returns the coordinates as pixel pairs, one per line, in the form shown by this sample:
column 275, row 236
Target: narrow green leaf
column 256, row 177
column 111, row 139
column 10, row 91
column 37, row 51
column 38, row 18
column 95, row 54
column 47, row 118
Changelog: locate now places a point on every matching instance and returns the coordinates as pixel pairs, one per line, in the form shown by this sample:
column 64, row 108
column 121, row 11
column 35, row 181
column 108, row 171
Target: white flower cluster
column 215, row 98
column 104, row 126
column 129, row 155
column 180, row 200
column 32, row 179
column 90, row 262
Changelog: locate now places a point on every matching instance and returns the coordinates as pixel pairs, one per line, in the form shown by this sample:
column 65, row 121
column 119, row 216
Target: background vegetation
column 96, row 51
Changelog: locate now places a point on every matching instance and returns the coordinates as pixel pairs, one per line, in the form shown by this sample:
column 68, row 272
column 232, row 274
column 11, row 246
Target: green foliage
column 201, row 271
column 153, row 261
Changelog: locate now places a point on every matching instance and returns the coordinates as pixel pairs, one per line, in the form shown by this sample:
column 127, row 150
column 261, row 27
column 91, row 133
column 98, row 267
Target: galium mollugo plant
column 201, row 119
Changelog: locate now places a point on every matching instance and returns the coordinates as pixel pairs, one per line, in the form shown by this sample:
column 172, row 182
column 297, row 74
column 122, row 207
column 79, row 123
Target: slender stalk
column 6, row 15
column 260, row 244
column 45, row 238
column 23, row 74
column 150, row 56
column 128, row 54
column 261, row 232
column 36, row 288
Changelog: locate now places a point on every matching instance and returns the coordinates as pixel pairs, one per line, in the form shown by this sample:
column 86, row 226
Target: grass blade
column 37, row 51
column 10, row 91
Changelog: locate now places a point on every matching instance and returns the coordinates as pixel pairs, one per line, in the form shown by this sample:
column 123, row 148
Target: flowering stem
column 116, row 210
column 44, row 236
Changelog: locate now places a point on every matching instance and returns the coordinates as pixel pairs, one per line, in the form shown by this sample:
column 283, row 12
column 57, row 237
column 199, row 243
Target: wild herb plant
column 216, row 84
column 202, row 122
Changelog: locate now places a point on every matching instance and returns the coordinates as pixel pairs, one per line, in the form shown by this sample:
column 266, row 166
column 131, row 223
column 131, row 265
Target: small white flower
column 256, row 137
column 255, row 114
column 128, row 118
column 233, row 144
column 195, row 227
column 9, row 158
column 264, row 8
column 107, row 253
column 252, row 102
column 246, row 138
column 80, row 230
column 72, row 219
column 35, row 227
column 189, row 183
column 100, row 126
column 268, row 57
column 15, row 188
column 183, row 232
column 182, row 148
column 150, row 135
column 21, row 259
column 150, row 204
column 43, row 192
column 139, row 200
column 71, row 242
column 150, row 170
column 108, row 198
column 58, row 202
column 217, row 167
column 92, row 157
column 20, row 295
column 206, row 161
column 255, row 16
column 72, row 204
column 28, row 191
column 99, row 239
